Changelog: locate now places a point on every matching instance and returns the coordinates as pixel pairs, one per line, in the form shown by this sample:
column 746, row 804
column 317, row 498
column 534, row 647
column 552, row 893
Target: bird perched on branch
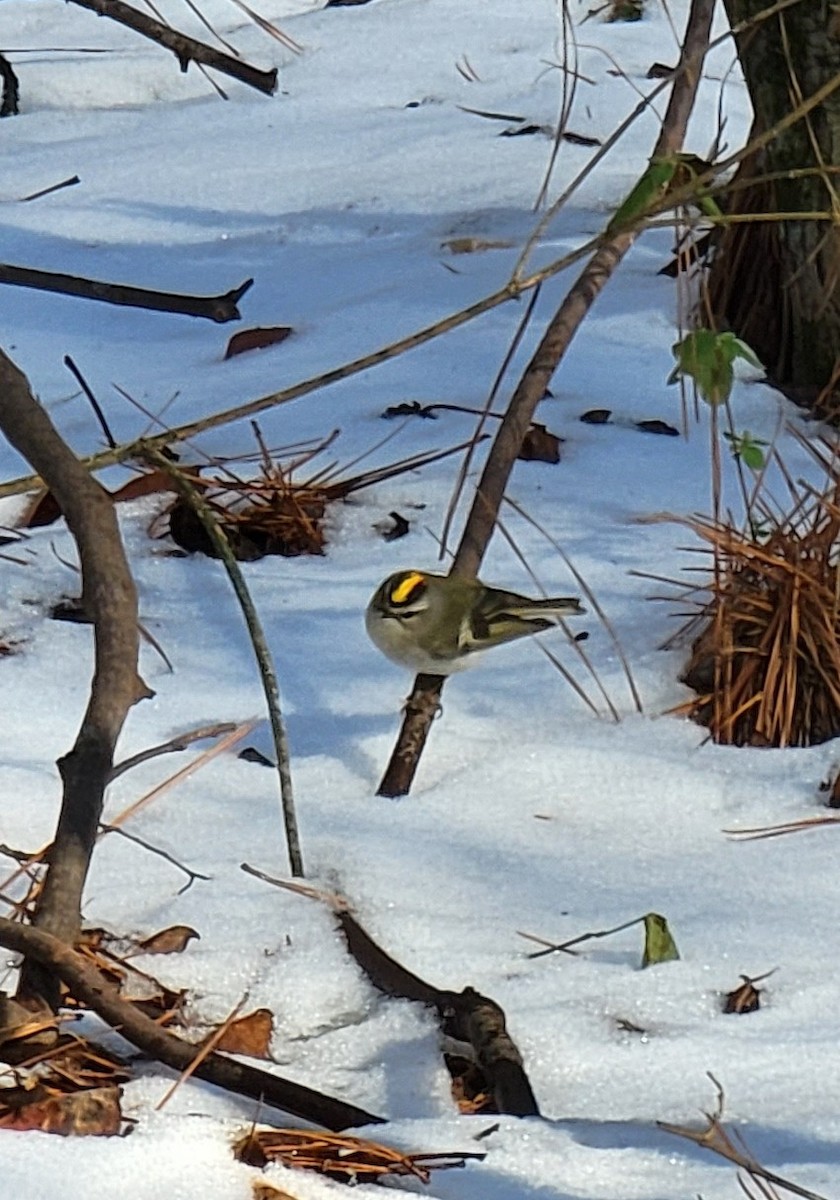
column 439, row 624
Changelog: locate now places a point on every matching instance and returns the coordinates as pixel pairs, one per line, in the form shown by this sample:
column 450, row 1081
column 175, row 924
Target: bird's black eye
column 407, row 589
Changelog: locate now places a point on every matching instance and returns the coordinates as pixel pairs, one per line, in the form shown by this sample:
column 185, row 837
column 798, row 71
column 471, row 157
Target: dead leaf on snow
column 473, row 245
column 540, row 445
column 147, row 483
column 263, row 1190
column 257, row 339
column 173, row 940
column 92, row 1113
column 249, row 1035
column 43, row 510
column 745, row 998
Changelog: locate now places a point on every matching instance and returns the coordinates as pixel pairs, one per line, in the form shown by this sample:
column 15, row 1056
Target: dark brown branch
column 466, row 1016
column 108, row 595
column 420, row 709
column 9, row 98
column 92, row 989
column 48, row 191
column 424, row 700
column 220, row 308
column 185, row 49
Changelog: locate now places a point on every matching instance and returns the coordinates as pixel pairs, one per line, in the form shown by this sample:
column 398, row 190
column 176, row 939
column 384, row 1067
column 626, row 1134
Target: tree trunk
column 775, row 282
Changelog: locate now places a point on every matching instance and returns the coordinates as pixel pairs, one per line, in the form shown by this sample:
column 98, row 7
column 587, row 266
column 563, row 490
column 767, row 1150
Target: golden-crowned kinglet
column 437, row 624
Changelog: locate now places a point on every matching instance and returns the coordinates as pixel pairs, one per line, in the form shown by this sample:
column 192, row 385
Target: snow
column 528, row 813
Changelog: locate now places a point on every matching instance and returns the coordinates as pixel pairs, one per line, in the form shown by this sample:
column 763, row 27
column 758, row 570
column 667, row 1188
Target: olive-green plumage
column 437, row 624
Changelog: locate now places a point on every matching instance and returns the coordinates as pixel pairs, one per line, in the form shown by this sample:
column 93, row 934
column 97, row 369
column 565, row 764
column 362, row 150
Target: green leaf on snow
column 659, row 944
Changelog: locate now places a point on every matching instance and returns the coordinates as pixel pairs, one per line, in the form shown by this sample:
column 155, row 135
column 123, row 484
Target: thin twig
column 716, row 1138
column 262, row 652
column 593, row 600
column 94, row 403
column 565, row 947
column 180, row 742
column 132, row 837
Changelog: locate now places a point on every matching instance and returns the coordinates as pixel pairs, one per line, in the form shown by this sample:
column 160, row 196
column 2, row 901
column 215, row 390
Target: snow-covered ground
column 528, row 813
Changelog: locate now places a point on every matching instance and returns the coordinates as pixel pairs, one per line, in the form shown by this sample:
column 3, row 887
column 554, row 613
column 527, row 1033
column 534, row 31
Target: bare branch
column 185, row 49
column 109, row 597
column 180, row 742
column 220, row 308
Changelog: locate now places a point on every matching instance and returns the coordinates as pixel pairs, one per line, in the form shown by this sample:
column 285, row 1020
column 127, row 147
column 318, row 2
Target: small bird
column 439, row 624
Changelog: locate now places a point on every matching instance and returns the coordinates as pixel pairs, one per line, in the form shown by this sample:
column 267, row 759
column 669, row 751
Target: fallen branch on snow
column 91, row 988
column 220, row 308
column 185, row 49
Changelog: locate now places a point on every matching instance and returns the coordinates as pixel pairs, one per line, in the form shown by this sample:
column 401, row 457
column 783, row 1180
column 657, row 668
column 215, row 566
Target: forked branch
column 110, row 600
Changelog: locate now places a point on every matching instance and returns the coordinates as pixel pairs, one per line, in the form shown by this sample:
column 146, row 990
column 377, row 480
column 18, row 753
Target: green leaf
column 747, row 448
column 752, row 456
column 659, row 945
column 708, row 206
column 652, row 185
column 739, row 349
column 707, row 358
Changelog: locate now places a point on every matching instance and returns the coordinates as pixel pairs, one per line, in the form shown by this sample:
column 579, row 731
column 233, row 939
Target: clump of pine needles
column 340, row 1156
column 765, row 658
column 277, row 512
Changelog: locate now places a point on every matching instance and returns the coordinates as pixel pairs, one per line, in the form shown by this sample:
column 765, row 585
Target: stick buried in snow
column 466, row 1016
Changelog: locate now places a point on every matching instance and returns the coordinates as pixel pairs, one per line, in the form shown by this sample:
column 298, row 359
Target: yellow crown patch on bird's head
column 407, row 587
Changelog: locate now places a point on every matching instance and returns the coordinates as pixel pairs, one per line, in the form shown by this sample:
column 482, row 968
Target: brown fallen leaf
column 28, row 1030
column 257, row 339
column 391, row 530
column 147, row 483
column 91, row 1113
column 263, row 1190
column 473, row 245
column 660, row 70
column 656, row 426
column 745, row 998
column 249, row 1035
column 540, row 445
column 173, row 940
column 42, row 510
